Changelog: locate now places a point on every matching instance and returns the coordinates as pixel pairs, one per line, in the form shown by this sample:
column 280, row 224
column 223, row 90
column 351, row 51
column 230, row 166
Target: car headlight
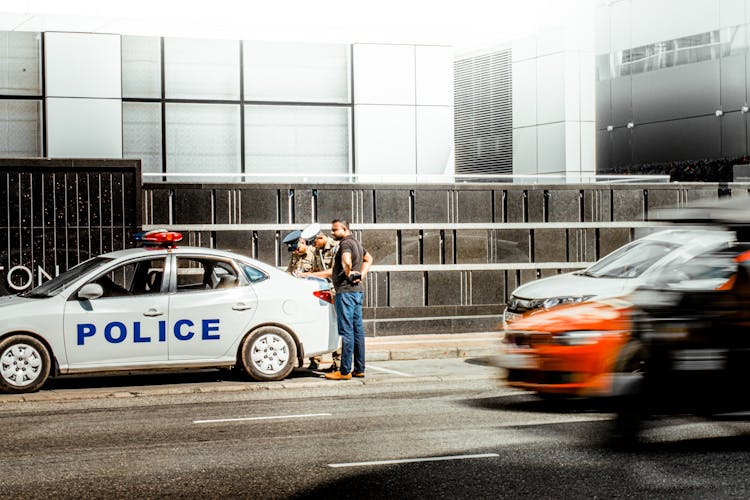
column 556, row 301
column 578, row 338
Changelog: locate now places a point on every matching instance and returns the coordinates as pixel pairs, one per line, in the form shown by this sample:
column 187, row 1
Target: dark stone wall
column 447, row 256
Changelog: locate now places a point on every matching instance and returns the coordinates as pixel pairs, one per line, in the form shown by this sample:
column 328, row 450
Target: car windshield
column 62, row 281
column 706, row 271
column 632, row 260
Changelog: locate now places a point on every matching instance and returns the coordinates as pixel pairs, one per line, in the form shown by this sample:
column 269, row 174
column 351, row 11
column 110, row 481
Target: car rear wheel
column 268, row 354
column 24, row 364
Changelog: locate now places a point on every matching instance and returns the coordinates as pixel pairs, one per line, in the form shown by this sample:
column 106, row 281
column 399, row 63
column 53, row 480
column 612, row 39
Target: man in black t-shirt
column 350, row 266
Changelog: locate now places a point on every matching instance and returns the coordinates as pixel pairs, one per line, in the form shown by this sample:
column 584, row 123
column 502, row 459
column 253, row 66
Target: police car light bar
column 158, row 238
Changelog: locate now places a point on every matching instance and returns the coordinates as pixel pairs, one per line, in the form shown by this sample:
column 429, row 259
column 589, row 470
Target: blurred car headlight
column 556, row 301
column 578, row 338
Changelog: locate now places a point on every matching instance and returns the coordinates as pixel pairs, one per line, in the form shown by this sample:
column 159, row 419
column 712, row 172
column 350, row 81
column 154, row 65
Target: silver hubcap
column 269, row 353
column 20, row 365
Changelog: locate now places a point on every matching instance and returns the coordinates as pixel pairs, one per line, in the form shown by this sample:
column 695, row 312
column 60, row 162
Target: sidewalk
column 451, row 345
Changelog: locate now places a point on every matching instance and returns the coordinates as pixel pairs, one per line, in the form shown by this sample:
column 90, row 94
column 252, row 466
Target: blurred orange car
column 567, row 350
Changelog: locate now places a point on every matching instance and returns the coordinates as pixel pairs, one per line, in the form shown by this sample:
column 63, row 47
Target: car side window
column 195, row 273
column 253, row 275
column 134, row 278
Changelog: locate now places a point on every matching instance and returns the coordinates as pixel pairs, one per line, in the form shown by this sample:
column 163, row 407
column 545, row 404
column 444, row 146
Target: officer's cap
column 308, row 234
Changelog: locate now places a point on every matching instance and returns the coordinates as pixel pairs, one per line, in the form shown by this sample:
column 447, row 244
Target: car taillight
column 324, row 295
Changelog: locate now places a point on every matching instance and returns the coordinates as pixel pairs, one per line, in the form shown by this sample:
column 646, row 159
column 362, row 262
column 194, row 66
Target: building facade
column 252, row 110
column 672, row 85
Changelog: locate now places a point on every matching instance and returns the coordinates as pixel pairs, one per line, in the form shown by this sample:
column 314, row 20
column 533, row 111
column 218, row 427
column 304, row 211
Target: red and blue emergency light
column 158, row 238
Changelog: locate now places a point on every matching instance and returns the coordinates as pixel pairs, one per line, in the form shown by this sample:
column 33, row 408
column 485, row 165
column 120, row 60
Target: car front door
column 127, row 325
column 210, row 307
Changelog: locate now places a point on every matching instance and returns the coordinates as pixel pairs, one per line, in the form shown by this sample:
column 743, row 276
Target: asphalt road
column 407, row 436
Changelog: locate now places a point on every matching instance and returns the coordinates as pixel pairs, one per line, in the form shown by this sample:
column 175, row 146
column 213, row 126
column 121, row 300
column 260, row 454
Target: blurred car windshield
column 632, row 260
column 706, row 272
column 61, row 282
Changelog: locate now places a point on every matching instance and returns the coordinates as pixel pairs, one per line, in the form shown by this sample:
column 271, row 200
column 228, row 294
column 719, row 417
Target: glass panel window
column 202, row 69
column 20, row 129
column 203, row 138
column 296, row 140
column 141, row 134
column 20, row 54
column 296, row 72
column 141, row 66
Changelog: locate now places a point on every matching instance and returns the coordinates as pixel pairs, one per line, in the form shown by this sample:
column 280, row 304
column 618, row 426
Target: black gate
column 57, row 213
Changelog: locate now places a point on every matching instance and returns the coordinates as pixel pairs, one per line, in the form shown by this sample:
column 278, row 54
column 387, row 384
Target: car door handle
column 241, row 306
column 153, row 312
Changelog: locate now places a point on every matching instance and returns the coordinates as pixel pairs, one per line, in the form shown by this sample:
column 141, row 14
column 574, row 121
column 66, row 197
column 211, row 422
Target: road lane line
column 413, row 460
column 377, row 368
column 276, row 417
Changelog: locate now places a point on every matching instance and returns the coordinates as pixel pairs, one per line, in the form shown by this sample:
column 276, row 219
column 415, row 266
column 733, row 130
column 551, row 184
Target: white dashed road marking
column 377, row 368
column 245, row 419
column 413, row 460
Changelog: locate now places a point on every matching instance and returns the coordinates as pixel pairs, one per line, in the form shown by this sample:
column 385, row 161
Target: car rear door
column 210, row 307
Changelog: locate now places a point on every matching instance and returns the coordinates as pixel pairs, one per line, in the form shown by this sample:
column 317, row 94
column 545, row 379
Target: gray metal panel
column 678, row 92
column 688, row 139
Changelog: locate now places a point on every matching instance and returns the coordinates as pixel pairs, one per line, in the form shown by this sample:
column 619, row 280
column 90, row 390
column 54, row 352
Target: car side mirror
column 90, row 291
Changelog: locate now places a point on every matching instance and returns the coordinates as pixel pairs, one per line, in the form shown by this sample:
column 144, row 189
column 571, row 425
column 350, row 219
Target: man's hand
column 354, row 277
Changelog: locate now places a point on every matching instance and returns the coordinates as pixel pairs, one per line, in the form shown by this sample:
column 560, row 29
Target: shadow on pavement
column 160, row 378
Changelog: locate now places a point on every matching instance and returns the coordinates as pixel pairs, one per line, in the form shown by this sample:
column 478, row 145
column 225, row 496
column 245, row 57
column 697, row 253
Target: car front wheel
column 268, row 354
column 24, row 364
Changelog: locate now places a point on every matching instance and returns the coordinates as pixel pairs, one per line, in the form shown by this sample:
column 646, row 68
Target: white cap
column 310, row 232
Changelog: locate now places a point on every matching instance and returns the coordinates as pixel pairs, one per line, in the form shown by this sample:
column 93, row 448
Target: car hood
column 13, row 300
column 610, row 314
column 575, row 285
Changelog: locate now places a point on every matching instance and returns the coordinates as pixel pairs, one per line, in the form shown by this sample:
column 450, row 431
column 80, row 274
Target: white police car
column 164, row 307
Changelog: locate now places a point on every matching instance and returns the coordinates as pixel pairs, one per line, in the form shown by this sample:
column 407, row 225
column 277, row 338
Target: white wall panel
column 524, row 151
column 551, row 41
column 524, row 93
column 384, row 74
column 602, row 33
column 84, row 128
column 551, row 148
column 384, row 137
column 588, row 86
column 434, row 75
column 621, row 26
column 82, row 65
column 731, row 12
column 572, row 146
column 523, row 49
column 572, row 72
column 550, row 88
column 434, row 139
column 588, row 146
column 668, row 19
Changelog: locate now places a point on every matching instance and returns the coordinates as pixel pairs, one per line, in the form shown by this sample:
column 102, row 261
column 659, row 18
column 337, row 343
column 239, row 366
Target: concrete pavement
column 452, row 345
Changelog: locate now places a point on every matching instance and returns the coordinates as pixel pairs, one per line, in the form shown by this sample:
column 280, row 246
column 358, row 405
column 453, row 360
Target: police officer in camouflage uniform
column 302, row 258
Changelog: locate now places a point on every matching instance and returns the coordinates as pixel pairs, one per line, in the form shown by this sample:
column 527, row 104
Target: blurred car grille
column 527, row 339
column 541, row 377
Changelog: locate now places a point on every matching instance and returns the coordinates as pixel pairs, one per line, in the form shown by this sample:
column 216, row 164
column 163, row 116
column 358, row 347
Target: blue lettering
column 85, row 330
column 178, row 326
column 210, row 325
column 162, row 331
column 108, row 332
column 137, row 333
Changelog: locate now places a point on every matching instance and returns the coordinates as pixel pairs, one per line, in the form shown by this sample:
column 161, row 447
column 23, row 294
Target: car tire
column 24, row 364
column 268, row 353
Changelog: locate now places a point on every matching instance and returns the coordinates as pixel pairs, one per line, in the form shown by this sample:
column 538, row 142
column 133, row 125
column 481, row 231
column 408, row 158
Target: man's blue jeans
column 352, row 331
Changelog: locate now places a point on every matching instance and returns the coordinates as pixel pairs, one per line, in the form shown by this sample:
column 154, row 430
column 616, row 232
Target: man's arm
column 366, row 263
column 321, row 274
